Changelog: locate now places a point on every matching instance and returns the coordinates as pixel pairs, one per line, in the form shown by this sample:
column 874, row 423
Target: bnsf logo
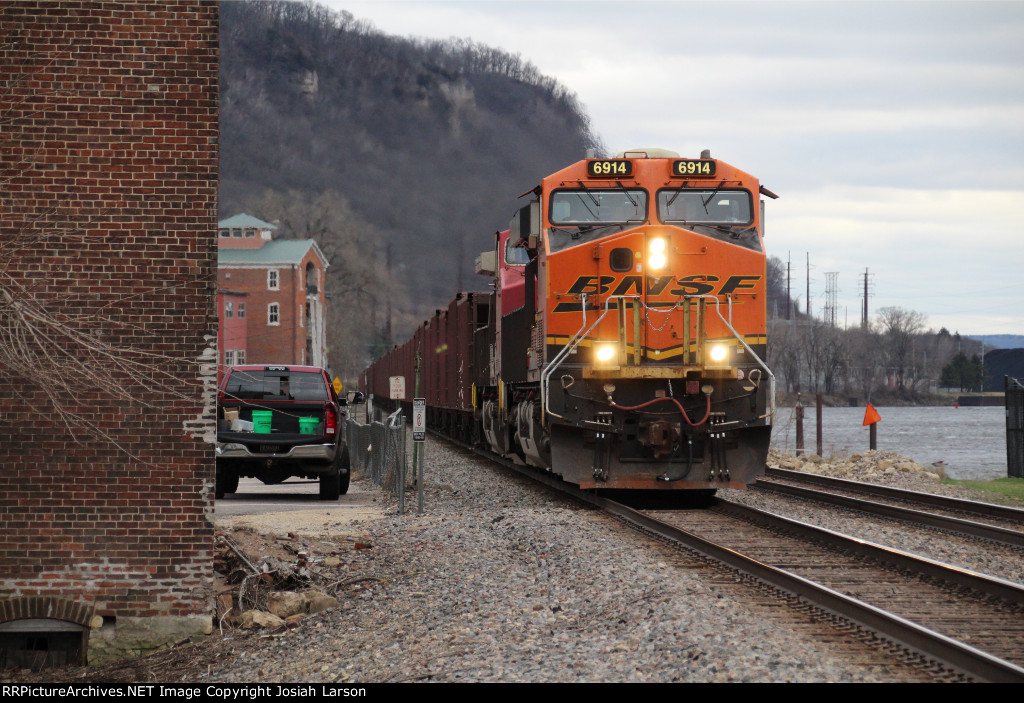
column 654, row 286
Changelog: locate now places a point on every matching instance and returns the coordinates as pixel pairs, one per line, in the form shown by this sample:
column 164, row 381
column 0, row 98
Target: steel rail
column 933, row 645
column 1002, row 535
column 989, row 585
column 968, row 506
column 922, row 640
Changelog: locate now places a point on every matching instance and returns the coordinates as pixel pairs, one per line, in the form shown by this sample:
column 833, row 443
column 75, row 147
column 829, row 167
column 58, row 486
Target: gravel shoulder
column 500, row 581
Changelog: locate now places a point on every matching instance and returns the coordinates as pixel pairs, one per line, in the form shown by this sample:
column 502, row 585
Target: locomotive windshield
column 592, row 207
column 723, row 214
column 580, row 215
column 726, row 207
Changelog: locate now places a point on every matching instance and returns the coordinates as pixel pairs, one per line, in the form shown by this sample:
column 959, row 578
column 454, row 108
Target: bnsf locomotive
column 623, row 345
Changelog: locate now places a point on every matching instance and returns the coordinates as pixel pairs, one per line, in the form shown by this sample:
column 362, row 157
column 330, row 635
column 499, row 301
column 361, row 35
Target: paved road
column 255, row 498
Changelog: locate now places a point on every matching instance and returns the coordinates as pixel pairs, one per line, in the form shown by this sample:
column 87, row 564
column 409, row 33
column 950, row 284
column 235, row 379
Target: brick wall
column 108, row 202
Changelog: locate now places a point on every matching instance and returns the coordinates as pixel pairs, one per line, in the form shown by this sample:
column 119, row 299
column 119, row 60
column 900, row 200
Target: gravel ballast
column 499, row 580
column 502, row 581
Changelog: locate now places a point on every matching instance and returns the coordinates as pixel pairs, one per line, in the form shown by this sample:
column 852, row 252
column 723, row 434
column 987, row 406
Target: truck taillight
column 331, row 419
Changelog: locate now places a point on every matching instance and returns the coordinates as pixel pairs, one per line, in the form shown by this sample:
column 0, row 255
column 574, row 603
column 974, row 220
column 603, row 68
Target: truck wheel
column 336, row 483
column 330, row 486
column 226, row 481
column 344, row 471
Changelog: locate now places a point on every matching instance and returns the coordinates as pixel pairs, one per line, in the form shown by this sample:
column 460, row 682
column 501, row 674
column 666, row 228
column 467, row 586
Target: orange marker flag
column 871, row 415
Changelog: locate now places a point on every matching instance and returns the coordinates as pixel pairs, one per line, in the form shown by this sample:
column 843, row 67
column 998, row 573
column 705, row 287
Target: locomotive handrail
column 545, row 376
column 581, row 334
column 771, row 377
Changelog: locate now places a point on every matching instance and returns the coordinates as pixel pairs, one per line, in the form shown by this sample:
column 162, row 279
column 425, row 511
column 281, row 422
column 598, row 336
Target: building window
column 229, row 309
column 236, row 232
column 241, row 310
column 273, row 314
column 272, row 280
column 229, row 357
column 249, row 233
column 239, row 356
column 225, row 233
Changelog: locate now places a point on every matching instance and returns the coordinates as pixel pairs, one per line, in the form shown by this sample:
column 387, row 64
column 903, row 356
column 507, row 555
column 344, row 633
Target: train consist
column 623, row 345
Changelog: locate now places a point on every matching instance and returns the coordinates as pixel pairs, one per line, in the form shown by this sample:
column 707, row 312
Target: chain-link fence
column 379, row 449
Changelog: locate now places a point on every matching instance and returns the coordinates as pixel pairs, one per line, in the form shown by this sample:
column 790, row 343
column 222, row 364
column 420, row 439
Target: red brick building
column 108, row 234
column 232, row 329
column 283, row 280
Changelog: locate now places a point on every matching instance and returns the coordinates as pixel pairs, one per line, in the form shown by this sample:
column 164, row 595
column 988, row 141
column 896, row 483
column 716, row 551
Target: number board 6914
column 693, row 167
column 609, row 168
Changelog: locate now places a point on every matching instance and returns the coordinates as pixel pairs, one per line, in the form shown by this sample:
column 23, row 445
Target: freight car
column 623, row 344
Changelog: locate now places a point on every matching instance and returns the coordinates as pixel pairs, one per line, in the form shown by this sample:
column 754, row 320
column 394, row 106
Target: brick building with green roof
column 283, row 281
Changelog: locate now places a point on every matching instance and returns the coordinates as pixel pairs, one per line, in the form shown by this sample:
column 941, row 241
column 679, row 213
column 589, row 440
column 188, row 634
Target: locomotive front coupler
column 689, row 464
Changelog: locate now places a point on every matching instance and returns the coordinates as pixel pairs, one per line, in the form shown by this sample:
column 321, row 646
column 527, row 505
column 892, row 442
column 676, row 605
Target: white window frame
column 273, row 314
column 229, row 357
column 241, row 310
column 273, row 279
column 239, row 357
column 229, row 309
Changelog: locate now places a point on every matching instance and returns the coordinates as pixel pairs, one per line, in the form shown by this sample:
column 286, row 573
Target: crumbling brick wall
column 108, row 216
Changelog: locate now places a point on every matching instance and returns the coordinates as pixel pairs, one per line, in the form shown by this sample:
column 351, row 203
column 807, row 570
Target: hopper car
column 623, row 343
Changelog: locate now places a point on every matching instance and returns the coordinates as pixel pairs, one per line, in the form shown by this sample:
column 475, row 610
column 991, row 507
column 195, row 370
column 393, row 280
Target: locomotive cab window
column 579, row 215
column 723, row 214
column 592, row 207
column 515, row 255
column 725, row 207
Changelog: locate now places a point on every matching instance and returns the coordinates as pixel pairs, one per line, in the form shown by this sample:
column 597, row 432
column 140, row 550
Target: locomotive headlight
column 656, row 249
column 718, row 353
column 605, row 353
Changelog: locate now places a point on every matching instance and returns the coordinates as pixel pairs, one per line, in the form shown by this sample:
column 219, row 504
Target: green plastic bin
column 261, row 421
column 308, row 425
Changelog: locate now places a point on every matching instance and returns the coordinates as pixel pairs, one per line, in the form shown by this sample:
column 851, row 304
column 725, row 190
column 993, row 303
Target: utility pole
column 460, row 258
column 864, row 313
column 387, row 321
column 808, row 303
column 789, row 297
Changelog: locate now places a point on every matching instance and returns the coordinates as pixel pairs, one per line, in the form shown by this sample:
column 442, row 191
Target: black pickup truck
column 276, row 422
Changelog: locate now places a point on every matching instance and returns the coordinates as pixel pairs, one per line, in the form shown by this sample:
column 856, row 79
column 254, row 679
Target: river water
column 970, row 440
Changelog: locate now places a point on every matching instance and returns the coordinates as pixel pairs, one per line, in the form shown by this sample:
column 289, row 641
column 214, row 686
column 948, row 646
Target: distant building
column 232, row 330
column 283, row 285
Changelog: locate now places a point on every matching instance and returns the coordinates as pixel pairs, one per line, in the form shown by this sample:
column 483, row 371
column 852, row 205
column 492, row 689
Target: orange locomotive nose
column 623, row 345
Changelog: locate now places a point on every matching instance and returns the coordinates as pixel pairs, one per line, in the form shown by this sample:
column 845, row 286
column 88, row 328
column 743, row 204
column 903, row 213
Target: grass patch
column 1009, row 487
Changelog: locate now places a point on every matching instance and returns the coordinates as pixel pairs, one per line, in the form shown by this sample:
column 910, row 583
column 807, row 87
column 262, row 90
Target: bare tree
column 358, row 282
column 900, row 327
column 786, row 353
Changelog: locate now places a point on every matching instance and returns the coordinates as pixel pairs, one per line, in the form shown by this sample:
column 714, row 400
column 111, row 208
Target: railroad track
column 956, row 620
column 967, row 621
column 997, row 523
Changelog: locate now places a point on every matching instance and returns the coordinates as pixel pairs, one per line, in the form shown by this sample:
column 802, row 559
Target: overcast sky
column 893, row 132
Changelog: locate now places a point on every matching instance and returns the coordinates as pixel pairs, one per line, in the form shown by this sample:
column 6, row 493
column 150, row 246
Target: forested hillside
column 405, row 150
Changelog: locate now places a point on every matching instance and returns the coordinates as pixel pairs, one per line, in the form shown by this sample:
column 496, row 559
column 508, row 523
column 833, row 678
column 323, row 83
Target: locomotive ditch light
column 656, row 249
column 605, row 353
column 718, row 354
